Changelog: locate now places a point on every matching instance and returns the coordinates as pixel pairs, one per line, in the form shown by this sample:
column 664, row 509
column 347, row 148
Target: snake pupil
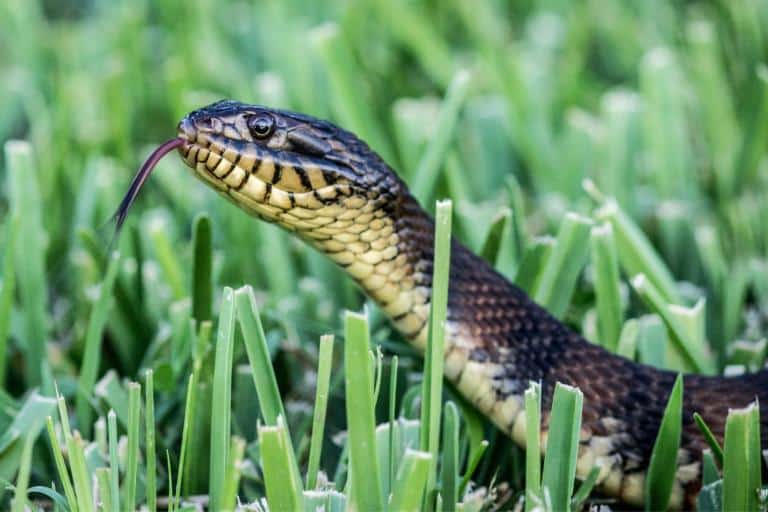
column 261, row 126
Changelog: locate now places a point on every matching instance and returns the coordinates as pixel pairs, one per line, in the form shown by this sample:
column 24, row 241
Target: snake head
column 271, row 161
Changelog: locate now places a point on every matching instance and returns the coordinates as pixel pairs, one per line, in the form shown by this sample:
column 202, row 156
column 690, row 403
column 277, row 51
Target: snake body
column 330, row 189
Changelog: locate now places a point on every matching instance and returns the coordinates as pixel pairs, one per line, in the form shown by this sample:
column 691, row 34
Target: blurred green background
column 663, row 105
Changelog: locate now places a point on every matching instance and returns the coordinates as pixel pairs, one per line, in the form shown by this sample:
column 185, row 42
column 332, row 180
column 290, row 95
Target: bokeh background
column 662, row 105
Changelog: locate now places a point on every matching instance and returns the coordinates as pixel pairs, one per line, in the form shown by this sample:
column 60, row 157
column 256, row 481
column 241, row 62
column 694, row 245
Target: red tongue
column 141, row 177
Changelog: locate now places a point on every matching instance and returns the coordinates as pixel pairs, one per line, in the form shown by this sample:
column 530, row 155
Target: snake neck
column 387, row 249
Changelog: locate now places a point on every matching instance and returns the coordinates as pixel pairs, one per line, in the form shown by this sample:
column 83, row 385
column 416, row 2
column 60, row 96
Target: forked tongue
column 141, row 177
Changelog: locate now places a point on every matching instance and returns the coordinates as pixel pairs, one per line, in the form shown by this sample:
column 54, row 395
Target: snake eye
column 261, row 126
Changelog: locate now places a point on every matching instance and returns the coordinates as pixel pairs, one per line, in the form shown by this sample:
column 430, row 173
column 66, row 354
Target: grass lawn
column 607, row 156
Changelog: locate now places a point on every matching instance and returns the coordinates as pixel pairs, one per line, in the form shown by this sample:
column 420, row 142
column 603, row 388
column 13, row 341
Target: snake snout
column 186, row 129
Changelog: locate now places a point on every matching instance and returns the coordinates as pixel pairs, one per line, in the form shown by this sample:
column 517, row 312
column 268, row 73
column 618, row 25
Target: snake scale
column 330, row 189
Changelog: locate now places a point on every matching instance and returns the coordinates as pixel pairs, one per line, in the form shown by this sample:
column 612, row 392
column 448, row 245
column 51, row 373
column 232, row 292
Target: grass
column 610, row 157
column 661, row 469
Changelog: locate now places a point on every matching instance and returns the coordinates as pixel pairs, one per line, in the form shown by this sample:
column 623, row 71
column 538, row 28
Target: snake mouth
column 261, row 181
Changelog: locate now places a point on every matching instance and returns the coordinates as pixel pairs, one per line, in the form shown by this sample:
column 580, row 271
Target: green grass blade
column 258, row 356
column 349, row 105
column 709, row 471
column 753, row 147
column 26, row 206
column 364, row 469
column 534, row 258
column 129, row 319
column 432, row 389
column 61, row 466
column 280, row 477
column 7, row 294
column 717, row 450
column 560, row 272
column 327, row 501
column 413, row 28
column 408, row 491
column 586, row 487
column 492, row 244
column 22, row 479
column 197, row 471
column 232, row 479
column 610, row 316
column 391, row 445
column 450, row 461
column 412, row 118
column 710, row 498
column 750, row 354
column 663, row 464
column 733, row 296
column 169, row 469
column 636, row 254
column 742, row 462
column 377, row 362
column 532, row 445
column 222, row 402
column 562, row 445
column 325, row 360
column 132, row 458
column 392, row 406
column 149, row 425
column 688, row 348
column 474, row 461
column 114, row 462
column 652, row 341
column 63, row 415
column 281, row 278
column 103, row 486
column 100, row 435
column 114, row 394
column 202, row 271
column 189, row 414
column 693, row 322
column 630, row 333
column 720, row 124
column 426, row 174
column 167, row 257
column 27, row 420
column 92, row 352
column 711, row 253
column 80, row 477
column 60, row 502
column 245, row 404
column 663, row 115
column 202, row 345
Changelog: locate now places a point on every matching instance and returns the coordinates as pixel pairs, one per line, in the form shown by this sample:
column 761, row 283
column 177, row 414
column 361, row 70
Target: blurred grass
column 660, row 107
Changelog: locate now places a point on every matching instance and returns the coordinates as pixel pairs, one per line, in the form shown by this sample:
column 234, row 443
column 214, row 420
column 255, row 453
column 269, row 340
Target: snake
column 329, row 188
